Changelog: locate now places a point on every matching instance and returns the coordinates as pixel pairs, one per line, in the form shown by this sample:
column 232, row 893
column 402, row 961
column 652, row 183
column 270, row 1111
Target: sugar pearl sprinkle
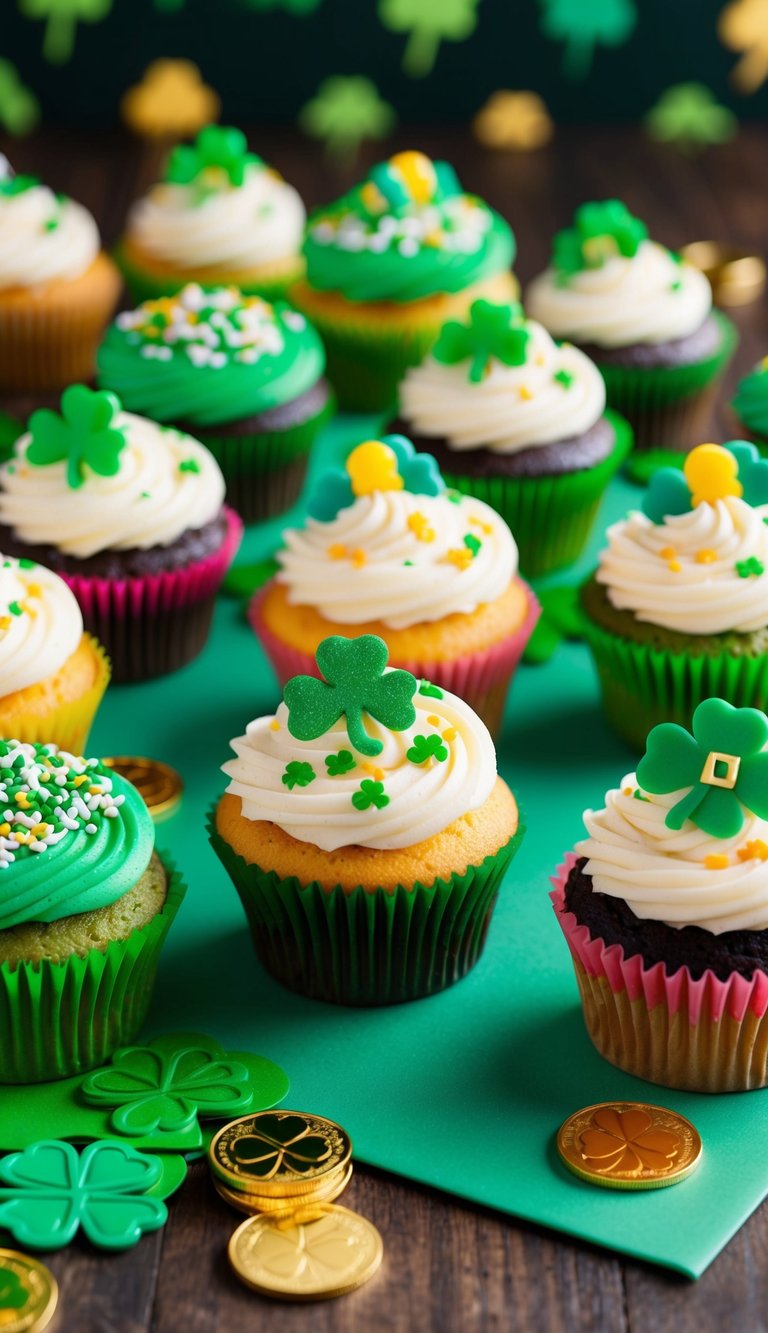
column 47, row 794
column 209, row 328
column 457, row 226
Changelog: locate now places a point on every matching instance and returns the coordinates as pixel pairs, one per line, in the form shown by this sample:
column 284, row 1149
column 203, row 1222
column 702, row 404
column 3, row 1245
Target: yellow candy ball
column 418, row 174
column 712, row 473
column 372, row 466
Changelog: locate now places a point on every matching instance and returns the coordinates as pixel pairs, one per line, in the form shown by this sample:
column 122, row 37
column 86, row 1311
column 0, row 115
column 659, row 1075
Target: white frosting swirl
column 40, row 624
column 423, row 798
column 681, row 574
column 661, row 873
column 512, row 407
column 43, row 238
column 151, row 500
column 235, row 227
column 648, row 298
column 368, row 563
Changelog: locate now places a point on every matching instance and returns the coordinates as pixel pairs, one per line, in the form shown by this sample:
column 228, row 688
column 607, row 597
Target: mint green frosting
column 209, row 357
column 750, row 401
column 383, row 242
column 87, row 834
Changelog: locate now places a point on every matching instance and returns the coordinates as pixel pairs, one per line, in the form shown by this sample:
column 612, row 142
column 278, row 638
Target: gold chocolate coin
column 246, row 1202
column 308, row 1260
column 159, row 784
column 736, row 276
column 278, row 1153
column 629, row 1145
column 28, row 1293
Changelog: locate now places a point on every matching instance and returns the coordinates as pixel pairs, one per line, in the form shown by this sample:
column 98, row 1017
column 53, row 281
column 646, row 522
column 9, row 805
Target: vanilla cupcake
column 645, row 318
column 388, row 550
column 57, row 287
column 519, row 422
column 220, row 217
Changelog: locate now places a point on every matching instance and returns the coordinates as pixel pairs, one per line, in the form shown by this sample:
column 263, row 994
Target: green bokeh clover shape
column 13, row 1292
column 675, row 759
column 494, row 332
column 62, row 18
column 600, row 230
column 346, row 110
column 429, row 23
column 54, row 1191
column 584, row 24
column 355, row 682
column 688, row 116
column 83, row 436
column 217, row 147
column 19, row 108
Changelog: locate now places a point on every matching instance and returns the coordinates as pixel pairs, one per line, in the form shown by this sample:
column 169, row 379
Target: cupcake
column 245, row 377
column 678, row 607
column 220, row 217
column 130, row 515
column 645, row 318
column 85, row 904
column 750, row 403
column 52, row 675
column 57, row 287
column 389, row 263
column 664, row 906
column 387, row 550
column 519, row 422
column 366, row 831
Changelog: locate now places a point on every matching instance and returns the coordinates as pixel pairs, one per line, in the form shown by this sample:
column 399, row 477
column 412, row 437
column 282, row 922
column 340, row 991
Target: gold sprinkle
column 627, row 791
column 480, row 523
column 668, row 553
column 460, row 556
column 5, row 622
column 755, row 850
column 337, row 551
column 449, row 734
column 716, row 861
column 4, row 830
column 274, row 725
column 420, row 527
column 706, row 556
column 525, row 393
column 22, row 799
column 359, row 558
column 375, row 772
column 80, row 779
column 433, row 720
column 674, row 566
column 19, row 837
column 34, row 590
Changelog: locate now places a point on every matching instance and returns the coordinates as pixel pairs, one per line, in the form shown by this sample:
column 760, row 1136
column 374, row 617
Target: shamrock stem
column 577, row 57
column 677, row 816
column 421, row 51
column 59, row 37
column 359, row 736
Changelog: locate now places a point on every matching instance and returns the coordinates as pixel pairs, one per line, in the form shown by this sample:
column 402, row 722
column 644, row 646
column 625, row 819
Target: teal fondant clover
column 600, row 230
column 56, row 1191
column 355, row 681
column 669, row 492
column 218, row 149
column 493, row 333
column 418, row 472
column 83, row 436
column 723, row 766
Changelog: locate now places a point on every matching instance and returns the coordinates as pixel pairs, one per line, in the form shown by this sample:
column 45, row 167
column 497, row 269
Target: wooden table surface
column 448, row 1266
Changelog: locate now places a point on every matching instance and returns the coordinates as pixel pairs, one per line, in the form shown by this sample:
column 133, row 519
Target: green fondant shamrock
column 298, row 774
column 494, row 332
column 750, row 567
column 13, row 1292
column 723, row 765
column 669, row 494
column 83, row 435
column 346, row 110
column 282, row 1143
column 355, row 682
column 217, row 148
column 55, row 1191
column 370, row 793
column 425, row 748
column 19, row 108
column 563, row 377
column 419, row 472
column 429, row 690
column 688, row 116
column 153, row 1089
column 600, row 230
column 340, row 763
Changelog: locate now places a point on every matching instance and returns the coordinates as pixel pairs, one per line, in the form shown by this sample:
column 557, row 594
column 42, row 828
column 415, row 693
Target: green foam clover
column 600, row 230
column 82, row 436
column 425, row 748
column 419, row 472
column 723, row 767
column 370, row 793
column 494, row 333
column 340, row 763
column 297, row 774
column 219, row 149
column 355, row 681
column 55, row 1191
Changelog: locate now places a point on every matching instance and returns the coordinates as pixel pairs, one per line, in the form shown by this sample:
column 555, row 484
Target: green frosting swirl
column 406, row 232
column 74, row 836
column 209, row 357
column 750, row 401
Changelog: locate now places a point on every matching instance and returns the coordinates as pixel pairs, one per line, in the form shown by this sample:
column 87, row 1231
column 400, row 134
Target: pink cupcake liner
column 480, row 678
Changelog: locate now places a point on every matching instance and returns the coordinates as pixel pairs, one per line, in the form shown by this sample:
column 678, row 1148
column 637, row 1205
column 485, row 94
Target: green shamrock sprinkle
column 82, row 436
column 564, row 377
column 455, row 497
column 751, row 566
column 493, row 332
column 370, row 793
column 15, row 608
column 638, row 795
column 26, row 564
column 599, row 232
column 431, row 691
column 472, row 542
column 298, row 774
column 189, row 465
column 217, row 148
column 340, row 763
column 355, row 681
column 425, row 748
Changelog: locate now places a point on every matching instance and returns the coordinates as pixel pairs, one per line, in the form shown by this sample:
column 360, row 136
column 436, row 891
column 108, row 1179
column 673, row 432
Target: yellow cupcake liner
column 69, row 723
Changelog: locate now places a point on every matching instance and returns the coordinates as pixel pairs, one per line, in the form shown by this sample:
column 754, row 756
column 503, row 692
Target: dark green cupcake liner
column 550, row 517
column 366, row 947
column 60, row 1019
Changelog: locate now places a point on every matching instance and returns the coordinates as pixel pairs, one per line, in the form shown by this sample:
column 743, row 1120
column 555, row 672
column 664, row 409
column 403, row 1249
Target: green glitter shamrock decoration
column 13, row 1292
column 56, row 1191
column 19, row 108
column 62, row 18
column 494, row 332
column 688, row 116
column 340, row 763
column 370, row 793
column 297, row 774
column 670, row 491
column 83, row 435
column 600, row 231
column 429, row 23
column 346, row 110
column 219, row 149
column 723, row 765
column 355, row 682
column 425, row 748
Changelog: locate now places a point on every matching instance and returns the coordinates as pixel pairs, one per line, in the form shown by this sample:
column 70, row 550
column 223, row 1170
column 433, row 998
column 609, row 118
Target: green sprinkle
column 472, row 542
column 744, row 568
column 51, row 225
column 431, row 691
column 341, row 762
column 638, row 795
column 410, row 562
column 425, row 748
column 26, row 564
column 455, row 497
column 298, row 775
column 676, row 286
column 15, row 608
column 370, row 793
column 564, row 377
column 189, row 465
column 145, row 495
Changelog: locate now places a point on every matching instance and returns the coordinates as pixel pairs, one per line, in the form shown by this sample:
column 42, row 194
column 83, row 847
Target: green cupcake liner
column 643, row 685
column 551, row 517
column 670, row 407
column 264, row 472
column 366, row 947
column 60, row 1019
column 144, row 286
